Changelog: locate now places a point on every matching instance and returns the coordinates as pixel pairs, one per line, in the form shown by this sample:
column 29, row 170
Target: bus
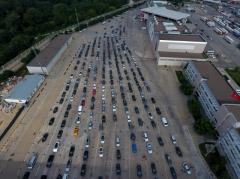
column 228, row 39
column 218, row 31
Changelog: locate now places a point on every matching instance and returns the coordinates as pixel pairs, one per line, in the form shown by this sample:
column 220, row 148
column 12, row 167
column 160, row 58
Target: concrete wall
column 183, row 47
column 37, row 70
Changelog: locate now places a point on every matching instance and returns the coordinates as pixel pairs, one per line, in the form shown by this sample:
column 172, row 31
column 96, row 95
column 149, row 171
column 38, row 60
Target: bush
column 185, row 86
column 30, row 56
column 195, row 108
column 203, row 126
column 235, row 74
column 6, row 74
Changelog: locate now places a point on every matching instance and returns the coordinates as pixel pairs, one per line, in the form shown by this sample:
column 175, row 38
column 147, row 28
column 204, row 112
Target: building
column 211, row 88
column 177, row 49
column 228, row 144
column 165, row 13
column 25, row 89
column 48, row 57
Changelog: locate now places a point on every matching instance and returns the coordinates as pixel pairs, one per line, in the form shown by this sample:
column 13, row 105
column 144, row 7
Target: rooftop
column 164, row 12
column 24, row 89
column 181, row 55
column 182, row 37
column 235, row 109
column 47, row 54
column 216, row 82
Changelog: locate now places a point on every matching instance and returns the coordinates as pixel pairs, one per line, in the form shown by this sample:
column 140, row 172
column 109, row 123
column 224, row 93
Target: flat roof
column 167, row 13
column 235, row 109
column 47, row 54
column 24, row 89
column 182, row 37
column 181, row 55
column 216, row 82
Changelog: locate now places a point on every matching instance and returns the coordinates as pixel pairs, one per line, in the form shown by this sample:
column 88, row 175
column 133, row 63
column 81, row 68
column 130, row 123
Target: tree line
column 22, row 21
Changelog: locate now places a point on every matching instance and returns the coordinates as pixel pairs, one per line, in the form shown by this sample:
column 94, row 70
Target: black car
column 63, row 123
column 55, row 109
column 67, row 88
column 136, row 110
column 26, row 175
column 83, row 170
column 118, row 154
column 153, row 100
column 114, row 117
column 168, row 159
column 132, row 136
column 160, row 141
column 158, row 111
column 50, row 161
column 61, row 100
column 178, row 151
column 139, row 171
column 63, row 94
column 118, row 169
column 153, row 124
column 153, row 167
column 146, row 106
column 173, row 173
column 51, row 121
column 60, row 132
column 69, row 106
column 140, row 122
column 103, row 118
column 71, row 151
column 85, row 155
column 59, row 176
column 133, row 98
column 44, row 177
column 66, row 114
column 93, row 99
column 44, row 137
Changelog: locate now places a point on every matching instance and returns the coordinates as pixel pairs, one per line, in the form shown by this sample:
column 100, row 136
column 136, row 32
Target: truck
column 228, row 39
column 204, row 19
column 218, row 31
column 224, row 31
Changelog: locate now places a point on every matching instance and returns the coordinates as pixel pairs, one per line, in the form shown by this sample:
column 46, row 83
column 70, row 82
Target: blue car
column 134, row 148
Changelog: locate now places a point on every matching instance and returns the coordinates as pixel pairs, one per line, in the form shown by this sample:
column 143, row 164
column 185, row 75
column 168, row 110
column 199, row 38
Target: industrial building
column 211, row 88
column 25, row 89
column 177, row 49
column 228, row 126
column 48, row 57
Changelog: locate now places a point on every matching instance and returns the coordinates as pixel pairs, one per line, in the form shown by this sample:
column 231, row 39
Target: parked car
column 56, row 146
column 50, row 161
column 60, row 132
column 153, row 167
column 149, row 148
column 51, row 121
column 71, row 151
column 139, row 170
column 44, row 137
column 160, row 141
column 83, row 170
column 134, row 148
column 178, row 151
column 158, row 111
column 132, row 136
column 118, row 169
column 101, row 152
column 168, row 159
column 85, row 155
column 173, row 173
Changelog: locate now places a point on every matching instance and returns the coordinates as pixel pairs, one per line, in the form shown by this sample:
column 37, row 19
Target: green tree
column 60, row 12
column 32, row 16
column 203, row 126
column 195, row 108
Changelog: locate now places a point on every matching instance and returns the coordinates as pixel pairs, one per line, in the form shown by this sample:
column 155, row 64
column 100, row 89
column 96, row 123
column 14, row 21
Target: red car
column 94, row 92
column 83, row 102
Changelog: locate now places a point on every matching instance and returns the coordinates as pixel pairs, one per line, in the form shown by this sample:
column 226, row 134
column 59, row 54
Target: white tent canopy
column 166, row 13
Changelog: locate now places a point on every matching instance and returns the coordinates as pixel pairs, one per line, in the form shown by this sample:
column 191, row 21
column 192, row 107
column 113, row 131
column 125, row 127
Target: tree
column 203, row 126
column 32, row 16
column 195, row 108
column 60, row 12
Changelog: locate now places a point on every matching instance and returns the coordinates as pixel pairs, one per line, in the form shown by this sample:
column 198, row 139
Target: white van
column 164, row 121
column 32, row 161
column 80, row 109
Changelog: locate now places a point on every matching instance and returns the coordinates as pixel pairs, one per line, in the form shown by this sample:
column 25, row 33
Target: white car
column 87, row 142
column 149, row 148
column 56, row 146
column 164, row 121
column 103, row 97
column 90, row 125
column 117, row 141
column 101, row 152
column 114, row 109
column 78, row 120
column 102, row 139
column 173, row 139
column 186, row 168
column 145, row 136
column 128, row 118
column 150, row 115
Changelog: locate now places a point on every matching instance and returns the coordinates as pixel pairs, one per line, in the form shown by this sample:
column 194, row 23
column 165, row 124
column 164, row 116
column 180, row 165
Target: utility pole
column 76, row 17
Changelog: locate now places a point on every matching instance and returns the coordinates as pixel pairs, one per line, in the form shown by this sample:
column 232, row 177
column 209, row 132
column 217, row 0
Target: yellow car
column 75, row 131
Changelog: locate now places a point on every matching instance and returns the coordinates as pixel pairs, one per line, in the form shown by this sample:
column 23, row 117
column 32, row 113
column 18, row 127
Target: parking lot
column 105, row 113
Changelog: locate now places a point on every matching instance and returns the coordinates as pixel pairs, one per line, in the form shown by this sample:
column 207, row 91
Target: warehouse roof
column 47, row 54
column 182, row 37
column 181, row 55
column 216, row 82
column 25, row 88
column 166, row 13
